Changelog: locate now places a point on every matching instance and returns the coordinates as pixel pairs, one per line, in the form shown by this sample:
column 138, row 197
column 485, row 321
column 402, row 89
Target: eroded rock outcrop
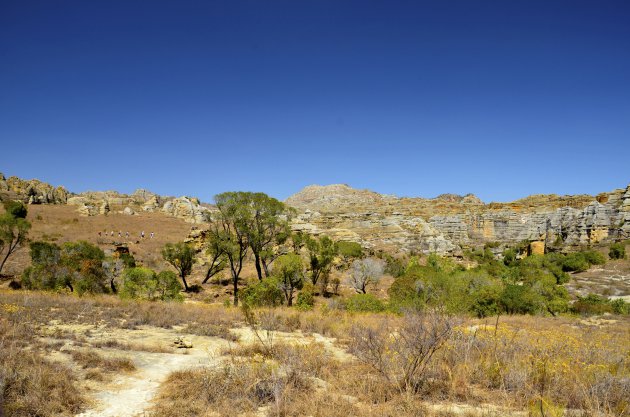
column 31, row 191
column 187, row 208
column 449, row 222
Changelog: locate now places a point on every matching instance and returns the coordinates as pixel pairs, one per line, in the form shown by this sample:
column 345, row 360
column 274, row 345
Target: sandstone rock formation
column 31, row 191
column 187, row 208
column 448, row 223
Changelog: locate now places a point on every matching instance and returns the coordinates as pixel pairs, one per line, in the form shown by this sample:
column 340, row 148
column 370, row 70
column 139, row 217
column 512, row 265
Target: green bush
column 364, row 303
column 591, row 304
column 594, row 258
column 306, row 298
column 617, row 251
column 594, row 304
column 265, row 293
column 575, row 262
column 619, row 306
column 486, row 300
column 16, row 209
column 143, row 283
column 349, row 249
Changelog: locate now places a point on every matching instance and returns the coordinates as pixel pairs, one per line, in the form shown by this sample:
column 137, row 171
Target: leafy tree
column 617, row 251
column 13, row 235
column 406, row 294
column 321, row 253
column 84, row 263
column 138, row 283
column 230, row 230
column 44, row 272
column 215, row 249
column 168, row 287
column 143, row 283
column 16, row 209
column 366, row 272
column 265, row 293
column 182, row 257
column 290, row 272
column 268, row 229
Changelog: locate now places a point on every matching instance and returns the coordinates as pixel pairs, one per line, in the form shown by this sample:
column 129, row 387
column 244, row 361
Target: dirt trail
column 129, row 395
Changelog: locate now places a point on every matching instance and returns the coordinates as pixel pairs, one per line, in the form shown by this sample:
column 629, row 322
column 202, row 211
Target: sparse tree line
column 294, row 267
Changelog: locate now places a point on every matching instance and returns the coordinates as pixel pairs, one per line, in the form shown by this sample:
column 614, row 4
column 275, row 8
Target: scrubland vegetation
column 496, row 331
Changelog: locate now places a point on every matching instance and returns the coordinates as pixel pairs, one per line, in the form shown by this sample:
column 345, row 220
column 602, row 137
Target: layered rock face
column 31, row 191
column 448, row 223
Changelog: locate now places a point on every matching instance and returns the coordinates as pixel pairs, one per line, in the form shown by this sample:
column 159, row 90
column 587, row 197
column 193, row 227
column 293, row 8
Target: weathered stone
column 188, row 209
column 391, row 223
column 129, row 211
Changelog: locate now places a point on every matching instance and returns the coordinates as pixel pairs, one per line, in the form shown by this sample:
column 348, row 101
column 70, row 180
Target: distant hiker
column 151, row 235
column 119, row 234
column 142, row 234
column 127, row 235
column 112, row 233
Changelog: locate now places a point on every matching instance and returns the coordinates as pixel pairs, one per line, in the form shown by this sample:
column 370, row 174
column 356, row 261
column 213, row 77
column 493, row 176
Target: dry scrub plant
column 401, row 354
column 29, row 384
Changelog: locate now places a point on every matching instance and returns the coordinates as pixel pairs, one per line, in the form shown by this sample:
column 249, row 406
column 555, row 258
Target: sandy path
column 131, row 394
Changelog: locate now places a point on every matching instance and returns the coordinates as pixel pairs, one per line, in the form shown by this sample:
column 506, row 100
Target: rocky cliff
column 448, row 223
column 31, row 191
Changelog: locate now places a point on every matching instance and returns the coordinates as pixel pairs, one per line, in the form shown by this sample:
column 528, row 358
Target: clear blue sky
column 415, row 98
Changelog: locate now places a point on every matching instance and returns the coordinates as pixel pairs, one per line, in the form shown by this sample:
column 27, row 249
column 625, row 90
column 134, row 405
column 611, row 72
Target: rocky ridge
column 448, row 223
column 445, row 224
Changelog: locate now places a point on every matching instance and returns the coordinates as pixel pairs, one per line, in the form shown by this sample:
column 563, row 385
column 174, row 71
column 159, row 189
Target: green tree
column 182, row 257
column 230, row 229
column 16, row 209
column 268, row 229
column 321, row 254
column 290, row 272
column 265, row 293
column 143, row 283
column 44, row 272
column 138, row 283
column 83, row 266
column 215, row 250
column 13, row 235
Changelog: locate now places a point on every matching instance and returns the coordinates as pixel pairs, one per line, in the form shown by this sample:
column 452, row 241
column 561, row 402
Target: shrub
column 617, row 251
column 594, row 257
column 575, row 262
column 402, row 354
column 16, row 209
column 364, row 303
column 591, row 304
column 349, row 249
column 143, row 283
column 265, row 293
column 486, row 300
column 306, row 297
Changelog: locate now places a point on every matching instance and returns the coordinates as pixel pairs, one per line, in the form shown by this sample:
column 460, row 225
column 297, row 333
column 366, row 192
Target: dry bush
column 138, row 347
column 91, row 359
column 236, row 387
column 402, row 354
column 29, row 384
